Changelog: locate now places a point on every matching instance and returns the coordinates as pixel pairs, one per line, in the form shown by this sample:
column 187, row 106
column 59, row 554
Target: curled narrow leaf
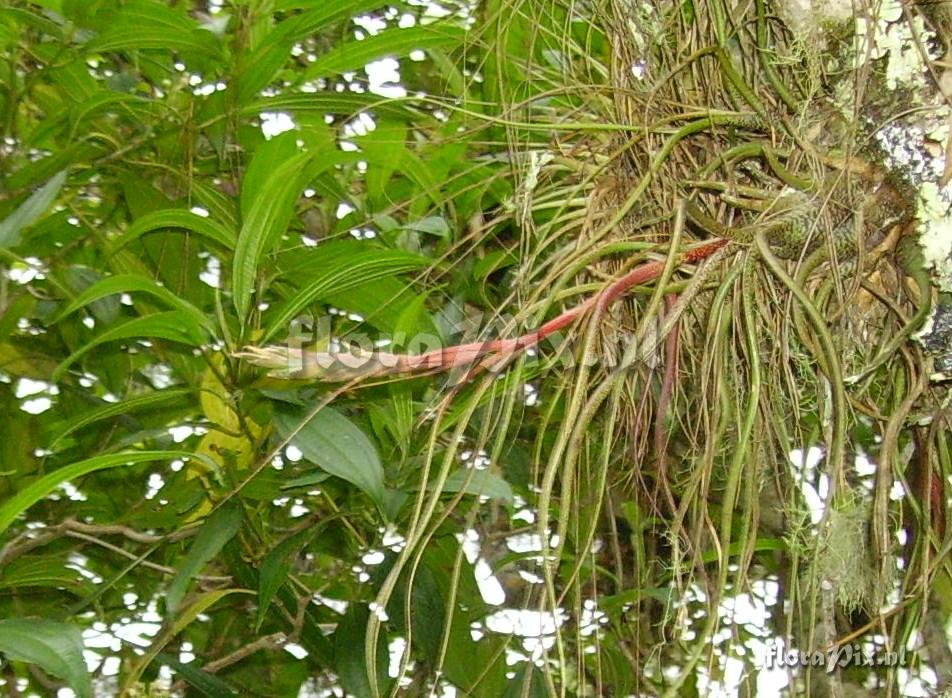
column 133, row 283
column 108, row 410
column 174, row 325
column 174, row 218
column 37, row 490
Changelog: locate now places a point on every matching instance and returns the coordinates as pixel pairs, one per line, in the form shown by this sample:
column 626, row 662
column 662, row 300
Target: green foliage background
column 149, row 230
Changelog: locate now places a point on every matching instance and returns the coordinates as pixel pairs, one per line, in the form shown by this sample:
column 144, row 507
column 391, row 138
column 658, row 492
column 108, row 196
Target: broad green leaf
column 340, row 103
column 74, row 79
column 738, row 547
column 22, row 362
column 8, row 35
column 100, row 102
column 217, row 530
column 174, row 218
column 275, row 567
column 415, row 169
column 18, row 307
column 153, row 13
column 482, row 483
column 411, row 321
column 39, row 172
column 136, row 38
column 133, row 283
column 268, row 156
column 149, row 24
column 336, row 445
column 478, row 668
column 267, row 217
column 393, row 502
column 41, row 571
column 337, row 268
column 114, row 409
column 30, row 211
column 311, row 635
column 427, row 620
column 380, row 301
column 494, row 261
column 386, row 143
column 54, row 647
column 455, row 79
column 272, row 53
column 354, row 55
column 78, row 279
column 221, row 208
column 37, row 490
column 173, row 325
